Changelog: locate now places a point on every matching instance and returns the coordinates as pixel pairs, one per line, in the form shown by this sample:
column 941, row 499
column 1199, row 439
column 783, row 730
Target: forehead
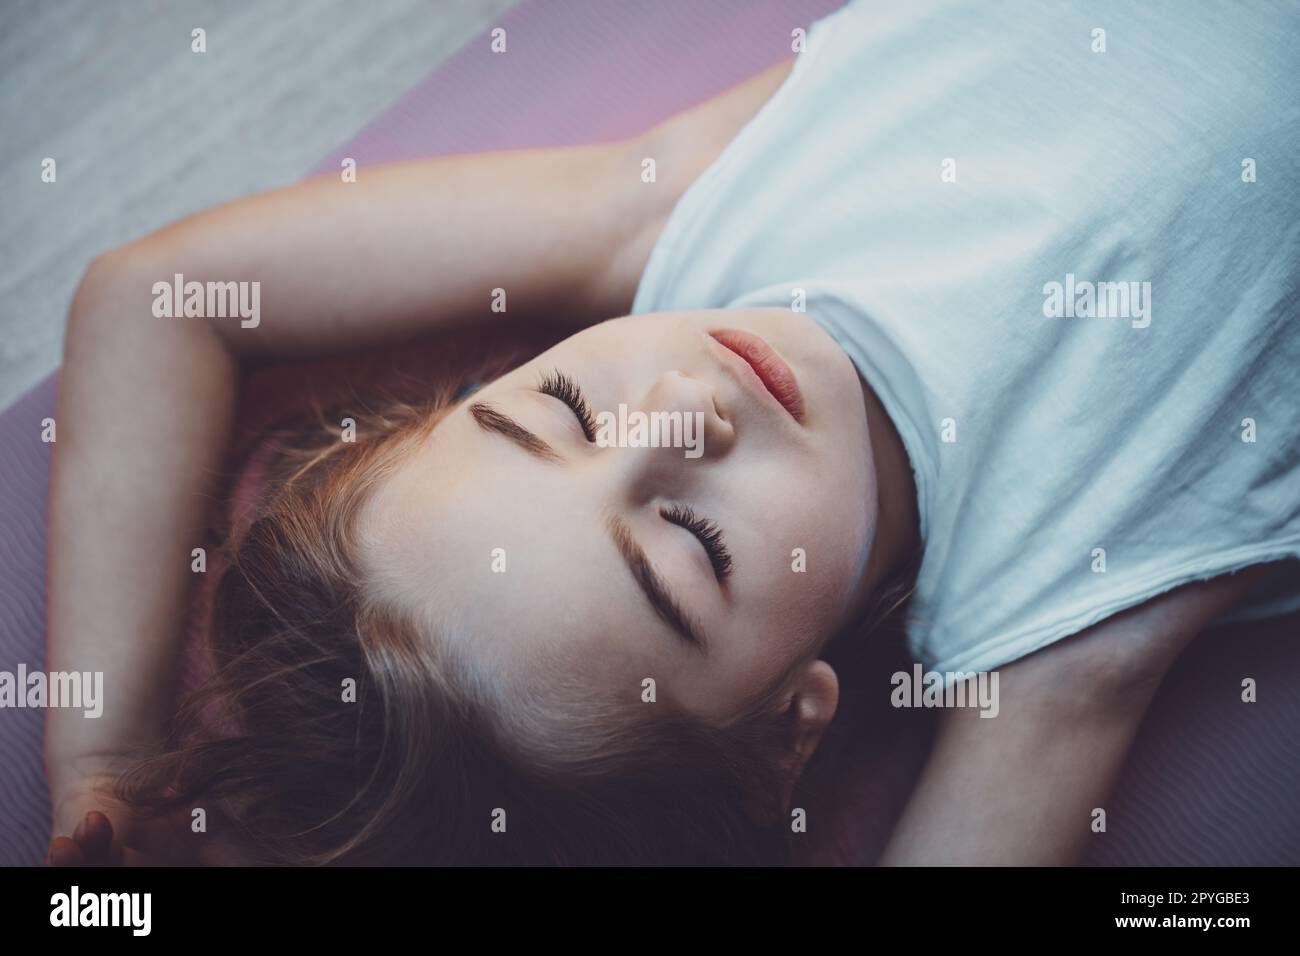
column 490, row 546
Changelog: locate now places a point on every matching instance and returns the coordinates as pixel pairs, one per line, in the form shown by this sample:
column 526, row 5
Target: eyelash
column 558, row 385
column 708, row 533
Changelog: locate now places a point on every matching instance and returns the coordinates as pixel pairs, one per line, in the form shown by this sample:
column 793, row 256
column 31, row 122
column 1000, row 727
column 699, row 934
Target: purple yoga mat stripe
column 1212, row 780
column 24, row 478
column 579, row 71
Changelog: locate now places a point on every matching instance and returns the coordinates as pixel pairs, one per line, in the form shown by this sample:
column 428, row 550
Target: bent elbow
column 113, row 296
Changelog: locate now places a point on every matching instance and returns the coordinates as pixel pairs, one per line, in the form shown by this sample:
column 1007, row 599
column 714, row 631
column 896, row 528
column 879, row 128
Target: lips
column 771, row 370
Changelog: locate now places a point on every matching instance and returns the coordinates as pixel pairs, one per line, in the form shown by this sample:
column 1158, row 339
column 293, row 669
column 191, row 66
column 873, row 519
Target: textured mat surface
column 1211, row 781
column 24, row 476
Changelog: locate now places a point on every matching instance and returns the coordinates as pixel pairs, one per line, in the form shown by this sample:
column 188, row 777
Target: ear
column 811, row 706
column 806, row 710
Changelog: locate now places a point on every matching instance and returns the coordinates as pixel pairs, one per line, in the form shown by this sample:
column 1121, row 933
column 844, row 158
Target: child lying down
column 488, row 627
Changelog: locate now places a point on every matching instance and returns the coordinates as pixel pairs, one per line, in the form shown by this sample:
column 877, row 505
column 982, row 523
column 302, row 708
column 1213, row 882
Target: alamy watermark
column 130, row 910
column 1086, row 300
column 922, row 688
column 651, row 430
column 208, row 300
column 58, row 689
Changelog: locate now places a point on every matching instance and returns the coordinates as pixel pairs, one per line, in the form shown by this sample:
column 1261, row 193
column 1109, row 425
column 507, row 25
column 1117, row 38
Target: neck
column 898, row 539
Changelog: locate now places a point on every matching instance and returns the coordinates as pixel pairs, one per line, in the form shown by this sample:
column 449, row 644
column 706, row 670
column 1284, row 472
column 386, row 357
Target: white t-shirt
column 948, row 185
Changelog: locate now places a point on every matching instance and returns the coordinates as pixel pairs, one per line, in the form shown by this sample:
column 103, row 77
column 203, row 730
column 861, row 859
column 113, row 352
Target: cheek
column 798, row 592
column 811, row 596
column 816, row 518
column 827, row 556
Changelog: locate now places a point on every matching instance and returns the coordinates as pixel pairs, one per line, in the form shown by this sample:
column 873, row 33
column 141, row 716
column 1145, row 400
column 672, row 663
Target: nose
column 675, row 391
column 669, row 436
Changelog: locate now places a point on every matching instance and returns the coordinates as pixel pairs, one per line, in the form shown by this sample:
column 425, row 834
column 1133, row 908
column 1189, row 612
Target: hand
column 104, row 831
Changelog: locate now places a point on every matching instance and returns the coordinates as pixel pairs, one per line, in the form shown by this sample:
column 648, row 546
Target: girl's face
column 535, row 529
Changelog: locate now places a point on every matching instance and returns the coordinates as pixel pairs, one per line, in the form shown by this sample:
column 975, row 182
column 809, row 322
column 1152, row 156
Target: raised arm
column 145, row 402
column 1019, row 788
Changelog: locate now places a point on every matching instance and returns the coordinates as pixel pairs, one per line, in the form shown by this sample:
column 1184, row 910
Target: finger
column 95, row 836
column 64, row 851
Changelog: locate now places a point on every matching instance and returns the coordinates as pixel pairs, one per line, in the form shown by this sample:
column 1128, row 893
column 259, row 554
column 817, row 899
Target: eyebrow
column 653, row 584
column 498, row 422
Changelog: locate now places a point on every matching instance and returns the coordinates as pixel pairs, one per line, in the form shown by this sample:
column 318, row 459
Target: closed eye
column 558, row 385
column 708, row 533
